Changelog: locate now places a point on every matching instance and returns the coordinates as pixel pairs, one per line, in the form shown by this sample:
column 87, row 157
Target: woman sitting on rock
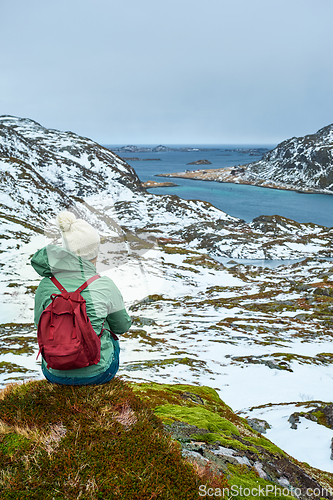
column 72, row 353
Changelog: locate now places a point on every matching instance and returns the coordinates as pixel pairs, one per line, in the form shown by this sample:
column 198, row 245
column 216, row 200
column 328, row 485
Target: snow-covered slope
column 300, row 162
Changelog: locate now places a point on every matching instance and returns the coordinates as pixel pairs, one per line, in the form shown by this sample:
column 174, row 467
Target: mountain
column 304, row 163
column 44, row 171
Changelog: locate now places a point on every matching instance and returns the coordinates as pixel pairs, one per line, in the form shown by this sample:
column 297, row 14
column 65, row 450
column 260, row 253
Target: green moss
column 157, row 394
column 14, row 443
column 203, row 261
column 223, row 440
column 173, row 249
column 198, row 416
column 188, row 395
column 266, row 444
column 320, row 418
column 208, row 438
column 8, row 367
column 243, row 482
column 316, row 415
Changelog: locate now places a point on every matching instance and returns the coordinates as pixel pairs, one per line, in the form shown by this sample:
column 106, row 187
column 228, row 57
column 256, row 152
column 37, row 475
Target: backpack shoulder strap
column 87, row 283
column 82, row 287
column 57, row 284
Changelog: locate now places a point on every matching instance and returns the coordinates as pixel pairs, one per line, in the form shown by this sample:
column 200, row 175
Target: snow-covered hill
column 44, row 171
column 299, row 163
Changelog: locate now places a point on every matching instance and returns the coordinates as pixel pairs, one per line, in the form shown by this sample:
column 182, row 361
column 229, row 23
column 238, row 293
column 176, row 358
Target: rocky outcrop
column 321, row 413
column 211, row 435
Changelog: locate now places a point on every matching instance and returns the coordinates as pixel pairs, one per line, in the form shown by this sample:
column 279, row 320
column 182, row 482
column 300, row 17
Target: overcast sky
column 169, row 72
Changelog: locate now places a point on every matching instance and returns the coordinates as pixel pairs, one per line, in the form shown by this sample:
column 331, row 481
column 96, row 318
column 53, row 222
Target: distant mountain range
column 300, row 162
column 160, row 148
column 156, row 149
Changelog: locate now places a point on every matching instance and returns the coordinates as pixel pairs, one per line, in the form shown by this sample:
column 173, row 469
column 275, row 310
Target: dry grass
column 126, row 416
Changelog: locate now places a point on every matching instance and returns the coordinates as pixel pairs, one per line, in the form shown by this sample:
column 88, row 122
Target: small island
column 200, row 162
column 135, row 158
column 154, row 184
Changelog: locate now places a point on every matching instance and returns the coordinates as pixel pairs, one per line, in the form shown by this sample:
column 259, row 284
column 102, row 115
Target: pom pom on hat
column 64, row 221
column 78, row 236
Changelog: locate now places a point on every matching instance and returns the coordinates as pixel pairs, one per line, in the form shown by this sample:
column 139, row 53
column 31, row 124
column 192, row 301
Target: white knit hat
column 78, row 236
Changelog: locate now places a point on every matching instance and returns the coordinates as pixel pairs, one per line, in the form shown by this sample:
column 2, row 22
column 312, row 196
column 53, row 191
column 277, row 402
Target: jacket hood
column 53, row 259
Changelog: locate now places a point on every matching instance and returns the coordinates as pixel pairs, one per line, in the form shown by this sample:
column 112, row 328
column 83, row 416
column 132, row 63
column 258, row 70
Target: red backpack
column 65, row 335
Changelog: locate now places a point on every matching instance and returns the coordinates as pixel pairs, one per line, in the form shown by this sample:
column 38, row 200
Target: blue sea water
column 245, row 202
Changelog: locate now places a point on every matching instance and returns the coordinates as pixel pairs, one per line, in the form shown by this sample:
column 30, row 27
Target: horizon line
column 192, row 144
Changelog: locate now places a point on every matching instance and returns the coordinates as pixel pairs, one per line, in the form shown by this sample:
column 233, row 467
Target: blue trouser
column 102, row 378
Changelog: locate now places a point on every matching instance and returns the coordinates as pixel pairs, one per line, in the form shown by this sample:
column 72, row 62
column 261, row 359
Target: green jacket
column 103, row 301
